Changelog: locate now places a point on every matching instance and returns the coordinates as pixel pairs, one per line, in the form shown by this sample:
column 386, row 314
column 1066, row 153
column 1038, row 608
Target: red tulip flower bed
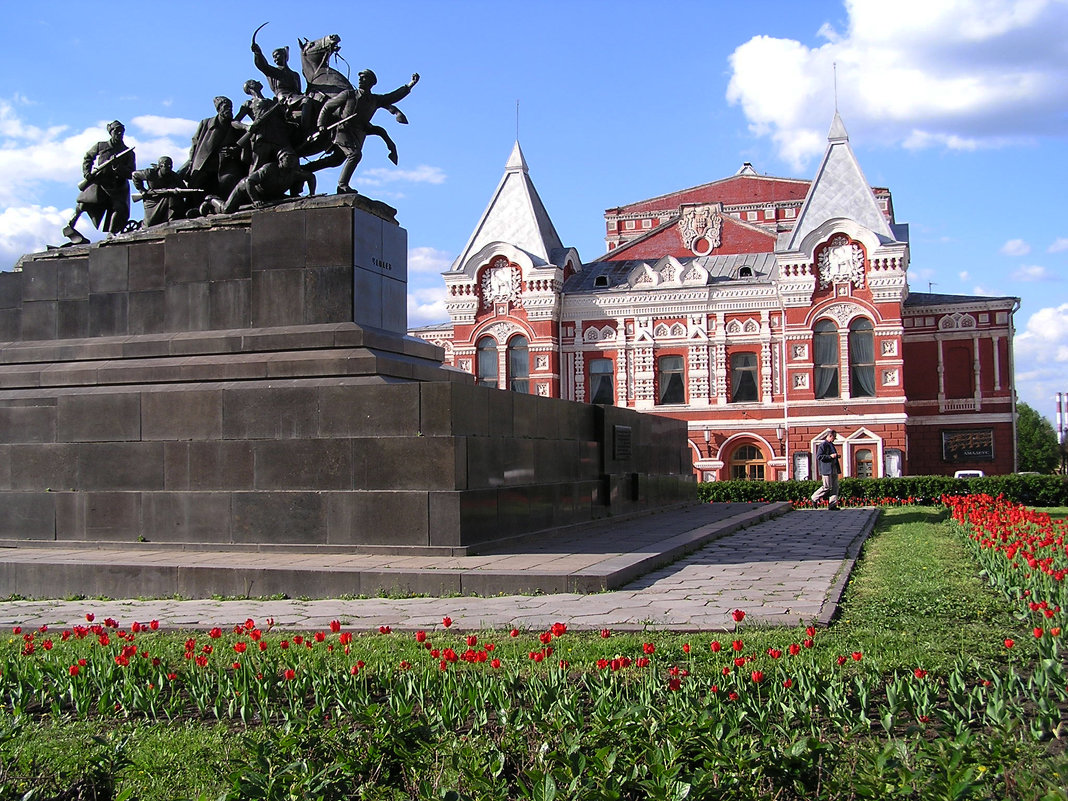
column 1023, row 552
column 441, row 713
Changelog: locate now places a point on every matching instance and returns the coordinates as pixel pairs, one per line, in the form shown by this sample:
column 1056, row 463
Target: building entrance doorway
column 747, row 464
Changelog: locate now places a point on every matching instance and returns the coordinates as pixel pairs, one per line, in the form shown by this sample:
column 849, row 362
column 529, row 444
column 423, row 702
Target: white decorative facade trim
column 700, row 228
column 501, row 283
column 957, row 320
column 841, row 261
column 843, row 313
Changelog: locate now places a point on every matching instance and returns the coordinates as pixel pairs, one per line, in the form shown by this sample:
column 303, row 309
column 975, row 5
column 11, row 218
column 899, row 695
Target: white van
column 968, row 474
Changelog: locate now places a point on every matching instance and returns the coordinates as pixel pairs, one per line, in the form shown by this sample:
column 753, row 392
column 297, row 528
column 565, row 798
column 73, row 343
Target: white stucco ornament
column 700, row 227
column 501, row 283
column 841, row 261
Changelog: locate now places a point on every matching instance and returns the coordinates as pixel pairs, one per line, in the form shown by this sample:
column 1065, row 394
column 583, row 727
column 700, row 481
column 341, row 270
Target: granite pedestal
column 245, row 380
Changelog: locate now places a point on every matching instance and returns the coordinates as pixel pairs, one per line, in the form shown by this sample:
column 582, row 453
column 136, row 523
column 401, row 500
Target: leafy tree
column 1036, row 442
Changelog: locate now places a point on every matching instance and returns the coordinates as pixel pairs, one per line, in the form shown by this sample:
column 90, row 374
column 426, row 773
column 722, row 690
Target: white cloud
column 964, row 275
column 423, row 174
column 982, row 290
column 154, row 125
column 1033, row 272
column 1045, row 337
column 1041, row 352
column 32, row 156
column 27, row 229
column 956, row 74
column 428, row 260
column 1059, row 244
column 1015, row 247
column 426, row 306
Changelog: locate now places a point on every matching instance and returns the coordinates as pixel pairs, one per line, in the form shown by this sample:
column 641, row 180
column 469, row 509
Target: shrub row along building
column 763, row 311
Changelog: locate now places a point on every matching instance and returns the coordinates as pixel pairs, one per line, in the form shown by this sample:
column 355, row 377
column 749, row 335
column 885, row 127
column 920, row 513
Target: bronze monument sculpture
column 164, row 193
column 105, row 193
column 231, row 164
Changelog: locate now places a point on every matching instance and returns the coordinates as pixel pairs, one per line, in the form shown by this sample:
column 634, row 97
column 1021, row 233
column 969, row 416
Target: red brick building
column 763, row 311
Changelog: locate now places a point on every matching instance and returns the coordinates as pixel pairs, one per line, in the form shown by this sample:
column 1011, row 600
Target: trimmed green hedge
column 1041, row 490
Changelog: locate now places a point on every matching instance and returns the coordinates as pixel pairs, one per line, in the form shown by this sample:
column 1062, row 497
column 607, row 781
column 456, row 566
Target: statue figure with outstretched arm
column 284, row 82
column 353, row 110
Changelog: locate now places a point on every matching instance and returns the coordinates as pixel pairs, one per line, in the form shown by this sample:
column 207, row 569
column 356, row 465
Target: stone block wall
column 315, row 261
column 430, row 464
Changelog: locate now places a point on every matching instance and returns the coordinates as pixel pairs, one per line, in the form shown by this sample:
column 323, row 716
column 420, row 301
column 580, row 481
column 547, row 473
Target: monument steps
column 593, row 557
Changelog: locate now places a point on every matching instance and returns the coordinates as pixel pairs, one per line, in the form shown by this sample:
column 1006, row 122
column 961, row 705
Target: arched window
column 601, row 389
column 744, row 378
column 863, row 463
column 861, row 359
column 518, row 364
column 487, row 362
column 672, row 388
column 825, row 359
column 747, row 464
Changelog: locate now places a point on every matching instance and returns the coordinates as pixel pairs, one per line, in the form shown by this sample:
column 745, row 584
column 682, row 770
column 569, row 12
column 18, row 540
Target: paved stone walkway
column 788, row 570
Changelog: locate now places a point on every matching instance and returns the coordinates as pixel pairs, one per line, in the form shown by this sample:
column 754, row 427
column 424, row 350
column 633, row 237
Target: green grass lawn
column 915, row 601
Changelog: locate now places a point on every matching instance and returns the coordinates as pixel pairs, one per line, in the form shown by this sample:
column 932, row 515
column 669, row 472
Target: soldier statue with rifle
column 165, row 195
column 105, row 191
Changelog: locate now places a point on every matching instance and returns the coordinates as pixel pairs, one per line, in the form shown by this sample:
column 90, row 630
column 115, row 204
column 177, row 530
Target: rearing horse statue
column 323, row 80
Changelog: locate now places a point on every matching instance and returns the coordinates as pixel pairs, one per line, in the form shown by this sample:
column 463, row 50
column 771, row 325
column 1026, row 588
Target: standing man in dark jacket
column 829, row 469
column 215, row 144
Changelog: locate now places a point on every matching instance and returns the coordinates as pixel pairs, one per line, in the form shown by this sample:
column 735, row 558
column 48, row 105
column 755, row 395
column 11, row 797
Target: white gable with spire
column 839, row 191
column 516, row 216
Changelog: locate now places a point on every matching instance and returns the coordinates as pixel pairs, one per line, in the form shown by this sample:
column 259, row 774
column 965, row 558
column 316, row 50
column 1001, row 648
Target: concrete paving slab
column 782, row 568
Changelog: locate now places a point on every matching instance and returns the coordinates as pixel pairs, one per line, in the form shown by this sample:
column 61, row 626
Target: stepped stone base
column 323, row 461
column 218, row 384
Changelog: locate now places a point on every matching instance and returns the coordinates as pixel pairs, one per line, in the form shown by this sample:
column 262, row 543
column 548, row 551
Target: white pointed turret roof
column 839, row 190
column 515, row 215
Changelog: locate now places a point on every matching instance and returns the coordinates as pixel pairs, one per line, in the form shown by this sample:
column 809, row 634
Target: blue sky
column 960, row 107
